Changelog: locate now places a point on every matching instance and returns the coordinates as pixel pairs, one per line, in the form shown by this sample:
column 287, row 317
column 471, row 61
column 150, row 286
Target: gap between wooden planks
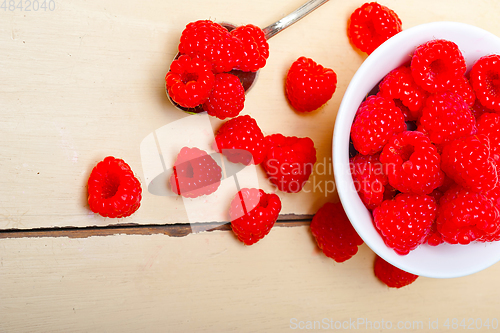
column 174, row 230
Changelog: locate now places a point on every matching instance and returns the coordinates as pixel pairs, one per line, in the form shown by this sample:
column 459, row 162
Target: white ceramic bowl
column 445, row 260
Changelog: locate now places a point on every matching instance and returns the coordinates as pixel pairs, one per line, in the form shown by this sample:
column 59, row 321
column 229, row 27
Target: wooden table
column 82, row 80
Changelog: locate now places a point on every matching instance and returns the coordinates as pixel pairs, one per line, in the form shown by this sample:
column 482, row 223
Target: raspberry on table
column 485, row 79
column 195, row 173
column 412, row 163
column 255, row 47
column 309, row 85
column 392, row 276
column 464, row 216
column 399, row 86
column 372, row 24
column 211, row 42
column 446, row 117
column 405, row 221
column 468, row 162
column 113, row 190
column 376, row 121
column 334, row 233
column 437, row 64
column 489, row 125
column 241, row 141
column 369, row 179
column 227, row 98
column 253, row 213
column 289, row 161
column 189, row 81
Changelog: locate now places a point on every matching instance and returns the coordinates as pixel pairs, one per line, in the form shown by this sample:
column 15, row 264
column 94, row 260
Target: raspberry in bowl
column 445, row 260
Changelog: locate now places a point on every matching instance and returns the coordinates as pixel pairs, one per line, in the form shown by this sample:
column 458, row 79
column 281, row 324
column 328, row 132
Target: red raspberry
column 334, row 232
column 399, row 86
column 211, row 42
column 467, row 161
column 412, row 163
column 195, row 173
column 464, row 216
column 405, row 221
column 478, row 109
column 434, row 238
column 253, row 214
column 113, row 189
column 189, row 81
column 241, row 141
column 227, row 98
column 445, row 118
column 309, row 85
column 489, row 125
column 289, row 161
column 392, row 276
column 377, row 120
column 372, row 24
column 255, row 47
column 369, row 179
column 437, row 64
column 494, row 197
column 485, row 79
column 463, row 88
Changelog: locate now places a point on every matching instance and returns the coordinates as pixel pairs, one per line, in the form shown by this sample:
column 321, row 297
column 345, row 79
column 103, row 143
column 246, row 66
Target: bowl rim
column 353, row 206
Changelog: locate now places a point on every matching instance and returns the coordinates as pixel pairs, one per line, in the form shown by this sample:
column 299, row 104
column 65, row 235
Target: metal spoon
column 248, row 79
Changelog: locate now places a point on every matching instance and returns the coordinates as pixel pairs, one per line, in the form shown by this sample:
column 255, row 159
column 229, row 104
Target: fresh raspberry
column 412, row 163
column 227, row 98
column 434, row 238
column 255, row 47
column 464, row 216
column 289, row 161
column 189, row 81
column 377, row 120
column 468, row 162
column 241, row 141
column 195, row 173
column 463, row 88
column 334, row 232
column 369, row 179
column 478, row 109
column 113, row 189
column 405, row 221
column 211, row 42
column 485, row 79
column 489, row 125
column 392, row 276
column 437, row 64
column 446, row 117
column 309, row 85
column 372, row 24
column 253, row 214
column 399, row 86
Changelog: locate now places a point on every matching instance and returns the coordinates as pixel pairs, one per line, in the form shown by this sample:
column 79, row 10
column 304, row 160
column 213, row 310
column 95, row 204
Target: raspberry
column 412, row 163
column 372, row 24
column 467, row 161
column 392, row 276
column 195, row 173
column 463, row 88
column 113, row 189
column 478, row 109
column 405, row 221
column 309, row 85
column 489, row 125
column 289, row 161
column 494, row 197
column 437, row 64
column 189, row 81
column 255, row 47
column 434, row 238
column 241, row 141
column 446, row 117
column 377, row 120
column 253, row 214
column 399, row 86
column 464, row 216
column 211, row 42
column 369, row 179
column 227, row 98
column 485, row 79
column 334, row 232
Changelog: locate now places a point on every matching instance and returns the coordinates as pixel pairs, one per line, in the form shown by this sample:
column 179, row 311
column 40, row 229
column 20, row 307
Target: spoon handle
column 291, row 18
